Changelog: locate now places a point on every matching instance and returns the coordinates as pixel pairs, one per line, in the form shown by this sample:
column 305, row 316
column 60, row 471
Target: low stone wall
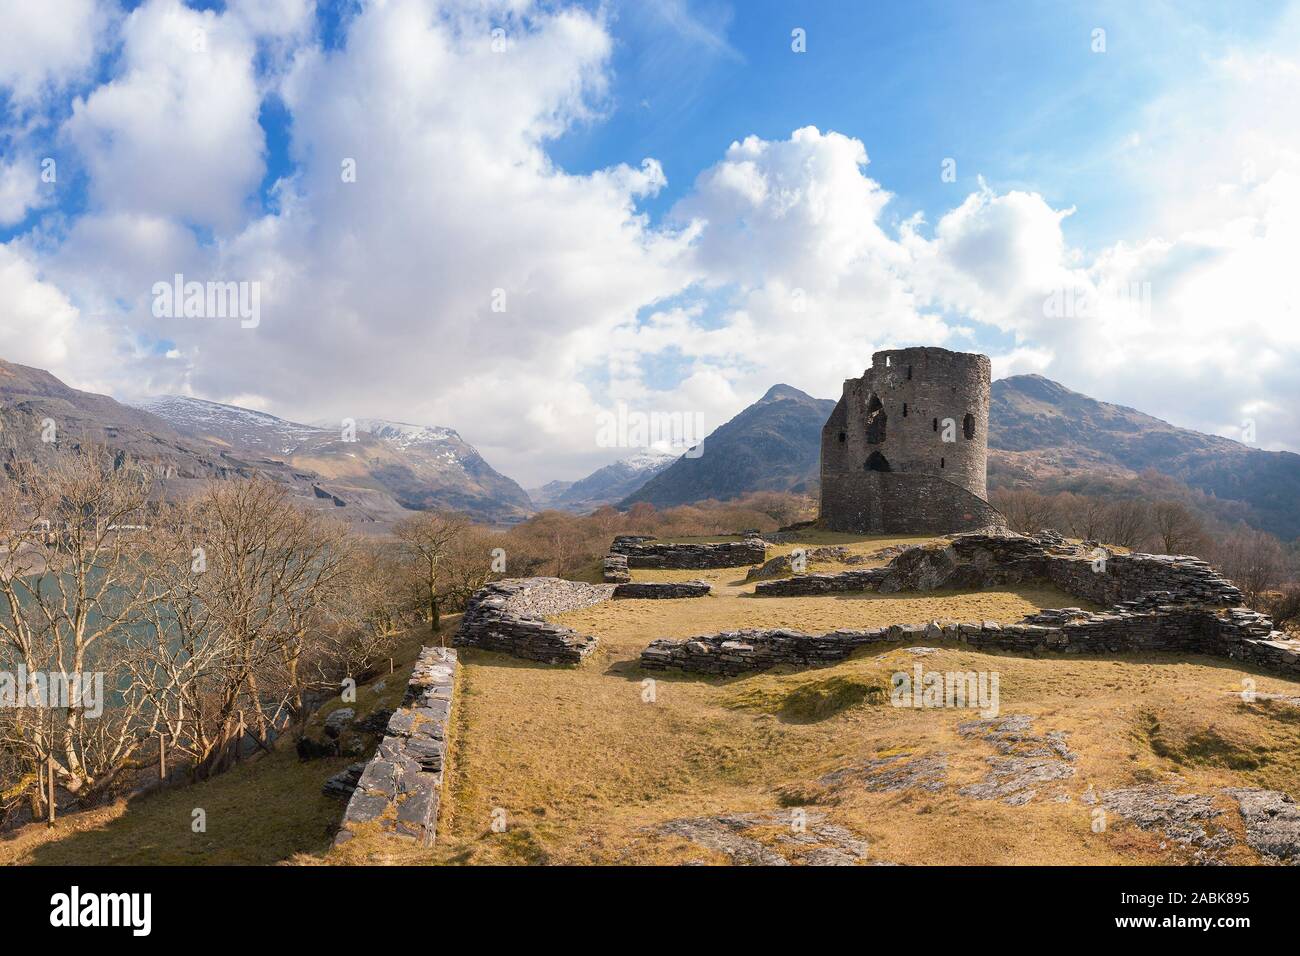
column 400, row 789
column 1237, row 633
column 804, row 585
column 509, row 617
column 692, row 556
column 615, row 569
column 663, row 589
column 996, row 558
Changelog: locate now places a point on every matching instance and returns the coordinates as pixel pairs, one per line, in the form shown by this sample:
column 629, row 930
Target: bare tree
column 1177, row 528
column 74, row 611
column 1128, row 523
column 1026, row 511
column 1253, row 560
column 251, row 580
column 428, row 539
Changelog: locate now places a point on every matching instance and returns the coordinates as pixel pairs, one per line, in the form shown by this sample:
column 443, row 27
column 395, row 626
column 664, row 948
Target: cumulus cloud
column 424, row 258
column 46, row 45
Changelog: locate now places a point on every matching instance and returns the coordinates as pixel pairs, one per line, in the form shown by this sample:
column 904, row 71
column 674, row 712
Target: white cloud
column 176, row 133
column 45, row 45
column 777, row 265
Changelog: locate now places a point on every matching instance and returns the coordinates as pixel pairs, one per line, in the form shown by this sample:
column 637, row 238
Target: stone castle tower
column 906, row 449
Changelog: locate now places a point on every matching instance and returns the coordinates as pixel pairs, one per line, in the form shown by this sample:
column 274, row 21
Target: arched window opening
column 877, row 462
column 968, row 426
column 876, row 419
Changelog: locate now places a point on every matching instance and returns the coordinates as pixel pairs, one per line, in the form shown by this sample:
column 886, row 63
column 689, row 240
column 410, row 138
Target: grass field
column 586, row 769
column 607, row 764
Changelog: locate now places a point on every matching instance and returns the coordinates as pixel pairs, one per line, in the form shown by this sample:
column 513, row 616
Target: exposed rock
column 337, row 720
column 309, row 749
column 1185, row 818
column 375, row 721
column 342, row 784
column 813, row 842
column 1026, row 761
column 1272, row 821
column 894, row 773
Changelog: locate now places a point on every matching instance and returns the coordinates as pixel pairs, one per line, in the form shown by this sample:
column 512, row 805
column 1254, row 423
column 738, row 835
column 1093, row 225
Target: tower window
column 936, row 424
column 877, row 462
column 940, row 462
column 843, row 437
column 905, row 409
column 876, row 419
column 909, row 373
column 968, row 426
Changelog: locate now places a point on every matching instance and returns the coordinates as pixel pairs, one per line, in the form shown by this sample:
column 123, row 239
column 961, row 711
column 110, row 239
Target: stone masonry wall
column 694, row 557
column 1158, row 603
column 998, row 558
column 400, row 789
column 1238, row 633
column 509, row 617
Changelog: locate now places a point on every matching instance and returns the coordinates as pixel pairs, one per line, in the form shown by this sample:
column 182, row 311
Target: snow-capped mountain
column 604, row 485
column 420, row 466
column 229, row 424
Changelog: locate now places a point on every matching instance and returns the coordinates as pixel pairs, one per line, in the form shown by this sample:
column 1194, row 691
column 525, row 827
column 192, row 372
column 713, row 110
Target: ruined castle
column 906, row 449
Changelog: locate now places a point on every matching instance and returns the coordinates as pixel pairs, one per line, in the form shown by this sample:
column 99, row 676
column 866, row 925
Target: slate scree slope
column 905, row 450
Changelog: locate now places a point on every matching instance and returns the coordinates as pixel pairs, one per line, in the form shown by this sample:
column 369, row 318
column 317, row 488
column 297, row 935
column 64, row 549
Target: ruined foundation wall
column 400, row 789
column 509, row 617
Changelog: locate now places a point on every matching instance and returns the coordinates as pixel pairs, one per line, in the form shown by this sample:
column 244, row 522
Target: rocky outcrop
column 401, row 787
column 509, row 617
column 663, row 589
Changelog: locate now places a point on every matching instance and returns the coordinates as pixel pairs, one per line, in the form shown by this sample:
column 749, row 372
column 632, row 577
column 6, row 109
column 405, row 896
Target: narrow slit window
column 968, row 426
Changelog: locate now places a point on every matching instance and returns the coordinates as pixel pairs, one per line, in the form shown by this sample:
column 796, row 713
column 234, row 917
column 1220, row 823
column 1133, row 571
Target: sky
column 518, row 219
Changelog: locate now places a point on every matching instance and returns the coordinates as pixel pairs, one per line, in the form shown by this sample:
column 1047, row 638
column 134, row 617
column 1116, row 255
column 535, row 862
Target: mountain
column 412, row 466
column 1042, row 433
column 604, row 485
column 31, row 399
column 773, row 445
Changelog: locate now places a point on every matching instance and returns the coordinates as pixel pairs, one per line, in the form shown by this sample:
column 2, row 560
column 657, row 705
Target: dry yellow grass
column 586, row 769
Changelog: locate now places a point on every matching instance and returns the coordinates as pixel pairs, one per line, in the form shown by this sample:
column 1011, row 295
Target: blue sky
column 1169, row 163
column 1011, row 90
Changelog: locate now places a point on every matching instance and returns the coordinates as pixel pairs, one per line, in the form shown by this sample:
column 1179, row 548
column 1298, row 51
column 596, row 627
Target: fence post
column 50, row 802
column 162, row 756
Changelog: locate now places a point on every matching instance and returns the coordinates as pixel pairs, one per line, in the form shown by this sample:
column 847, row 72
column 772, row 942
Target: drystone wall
column 400, row 789
column 642, row 552
column 1158, row 603
column 998, row 558
column 1237, row 633
column 663, row 589
column 509, row 617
